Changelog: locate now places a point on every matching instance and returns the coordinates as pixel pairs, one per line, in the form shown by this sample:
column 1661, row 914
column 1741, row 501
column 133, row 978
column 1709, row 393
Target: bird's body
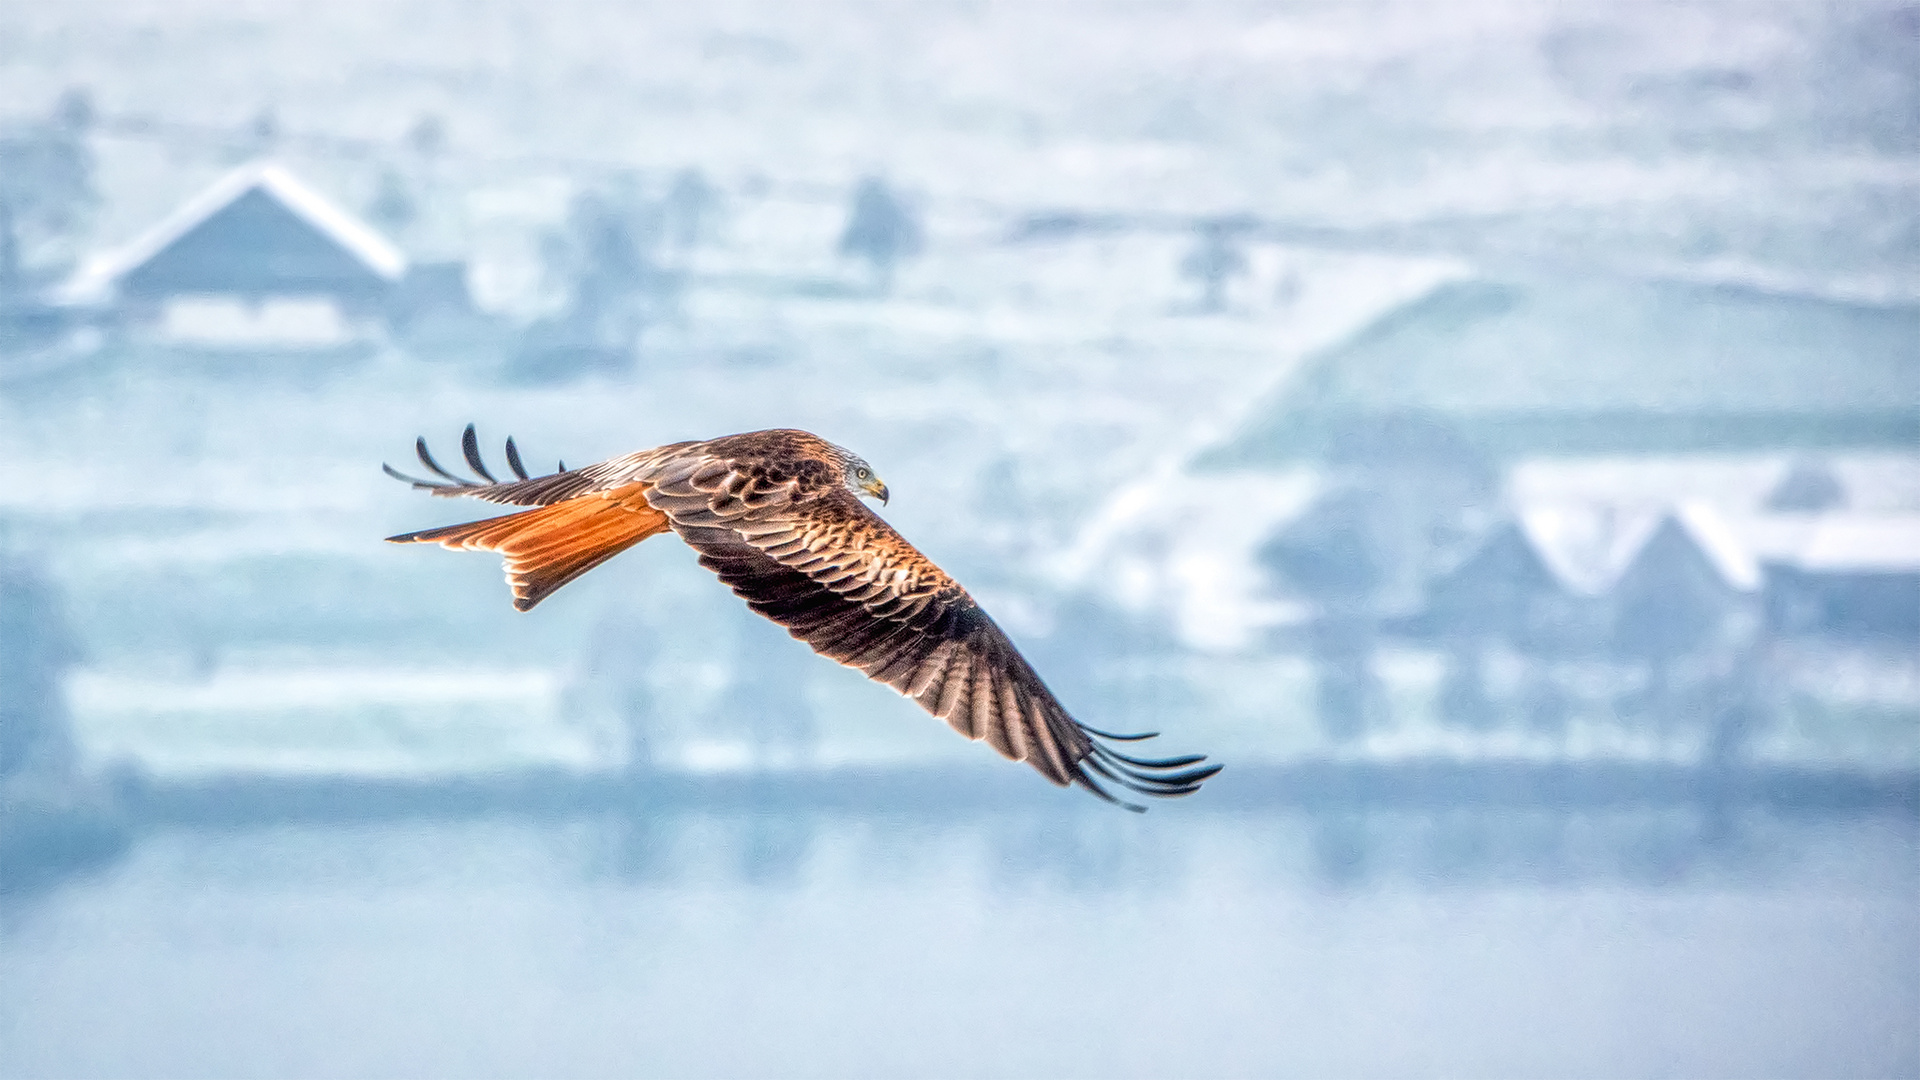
column 778, row 516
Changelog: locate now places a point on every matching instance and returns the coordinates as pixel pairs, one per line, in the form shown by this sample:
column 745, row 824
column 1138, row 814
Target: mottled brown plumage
column 778, row 516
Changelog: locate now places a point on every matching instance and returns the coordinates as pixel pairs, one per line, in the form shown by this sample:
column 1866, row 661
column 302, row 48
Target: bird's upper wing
column 842, row 580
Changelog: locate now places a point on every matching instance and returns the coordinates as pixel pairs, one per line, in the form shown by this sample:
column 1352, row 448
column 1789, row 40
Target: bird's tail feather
column 548, row 547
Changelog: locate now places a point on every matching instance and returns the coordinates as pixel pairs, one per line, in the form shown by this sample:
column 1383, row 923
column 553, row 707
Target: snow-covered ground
column 218, row 536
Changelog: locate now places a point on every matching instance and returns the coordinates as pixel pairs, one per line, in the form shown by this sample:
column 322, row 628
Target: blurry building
column 882, row 229
column 1855, row 579
column 432, row 314
column 1503, row 592
column 1217, row 259
column 1808, row 486
column 259, row 259
column 55, row 819
column 1664, row 600
column 429, row 290
column 1599, row 367
column 1593, row 579
column 1589, row 404
column 1335, row 557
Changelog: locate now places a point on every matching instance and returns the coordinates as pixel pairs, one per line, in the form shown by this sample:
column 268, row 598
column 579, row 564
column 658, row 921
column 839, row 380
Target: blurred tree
column 46, row 192
column 1493, row 599
column 690, row 209
column 1546, row 703
column 615, row 679
column 881, row 229
column 393, row 207
column 1463, row 700
column 36, row 648
column 1434, row 492
column 1215, row 261
column 1331, row 557
column 11, row 278
column 260, row 135
column 1808, row 487
column 603, row 258
column 75, row 113
column 1288, row 289
column 428, row 136
column 1746, row 699
column 1669, row 606
column 1347, row 693
column 767, row 697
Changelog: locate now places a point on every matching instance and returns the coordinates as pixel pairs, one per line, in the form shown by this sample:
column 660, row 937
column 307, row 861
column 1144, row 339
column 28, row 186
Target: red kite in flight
column 777, row 515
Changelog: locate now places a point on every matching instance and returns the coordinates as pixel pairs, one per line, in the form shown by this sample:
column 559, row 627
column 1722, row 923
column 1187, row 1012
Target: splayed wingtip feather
column 470, row 449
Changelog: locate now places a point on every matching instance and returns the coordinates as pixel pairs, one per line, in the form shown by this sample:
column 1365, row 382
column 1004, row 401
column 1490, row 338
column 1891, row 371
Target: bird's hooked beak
column 876, row 489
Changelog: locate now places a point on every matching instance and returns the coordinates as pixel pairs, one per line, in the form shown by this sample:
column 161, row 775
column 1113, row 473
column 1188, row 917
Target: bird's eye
column 863, row 474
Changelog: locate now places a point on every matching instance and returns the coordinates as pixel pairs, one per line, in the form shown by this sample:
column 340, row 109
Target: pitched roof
column 1740, row 484
column 1721, row 544
column 1807, row 486
column 1589, row 548
column 364, row 244
column 1861, row 544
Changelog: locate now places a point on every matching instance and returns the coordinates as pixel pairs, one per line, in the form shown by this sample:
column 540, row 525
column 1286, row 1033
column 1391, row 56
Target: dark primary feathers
column 774, row 515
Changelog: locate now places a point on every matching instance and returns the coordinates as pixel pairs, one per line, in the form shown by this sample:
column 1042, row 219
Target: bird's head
column 863, row 481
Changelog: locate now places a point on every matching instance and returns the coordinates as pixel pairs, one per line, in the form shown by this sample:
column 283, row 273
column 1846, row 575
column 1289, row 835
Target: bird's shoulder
column 733, row 472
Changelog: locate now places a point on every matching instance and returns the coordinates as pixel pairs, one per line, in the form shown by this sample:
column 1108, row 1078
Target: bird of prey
column 778, row 516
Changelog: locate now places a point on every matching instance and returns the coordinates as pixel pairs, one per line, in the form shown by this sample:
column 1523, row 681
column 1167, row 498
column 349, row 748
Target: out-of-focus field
column 215, row 521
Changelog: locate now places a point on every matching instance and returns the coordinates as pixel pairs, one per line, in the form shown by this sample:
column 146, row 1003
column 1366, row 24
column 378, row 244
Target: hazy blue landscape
column 1492, row 431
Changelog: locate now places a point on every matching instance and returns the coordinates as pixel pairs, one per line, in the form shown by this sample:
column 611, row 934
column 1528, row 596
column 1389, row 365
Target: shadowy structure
column 1216, row 261
column 615, row 680
column 768, row 694
column 36, row 648
column 1331, row 557
column 258, row 264
column 46, row 193
column 1403, row 493
column 690, row 213
column 54, row 822
column 882, row 229
column 393, row 207
column 1807, row 487
column 1624, row 615
column 605, row 259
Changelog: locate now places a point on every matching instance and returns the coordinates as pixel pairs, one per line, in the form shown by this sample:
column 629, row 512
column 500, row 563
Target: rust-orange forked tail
column 550, row 546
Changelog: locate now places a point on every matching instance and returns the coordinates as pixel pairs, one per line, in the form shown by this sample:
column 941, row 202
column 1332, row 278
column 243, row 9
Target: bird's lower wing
column 950, row 658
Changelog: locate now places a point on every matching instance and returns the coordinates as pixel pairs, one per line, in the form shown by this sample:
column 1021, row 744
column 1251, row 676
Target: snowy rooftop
column 1861, row 544
column 354, row 236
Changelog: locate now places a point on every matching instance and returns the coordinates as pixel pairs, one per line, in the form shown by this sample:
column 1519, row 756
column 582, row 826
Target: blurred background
column 1492, row 430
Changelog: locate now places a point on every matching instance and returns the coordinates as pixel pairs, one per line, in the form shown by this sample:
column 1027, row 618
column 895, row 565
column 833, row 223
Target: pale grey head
column 860, row 477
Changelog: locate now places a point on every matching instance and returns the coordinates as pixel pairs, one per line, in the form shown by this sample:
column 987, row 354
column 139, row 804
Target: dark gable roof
column 1590, row 366
column 258, row 230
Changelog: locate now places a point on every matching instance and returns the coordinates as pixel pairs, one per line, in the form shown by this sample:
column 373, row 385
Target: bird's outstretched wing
column 841, row 579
